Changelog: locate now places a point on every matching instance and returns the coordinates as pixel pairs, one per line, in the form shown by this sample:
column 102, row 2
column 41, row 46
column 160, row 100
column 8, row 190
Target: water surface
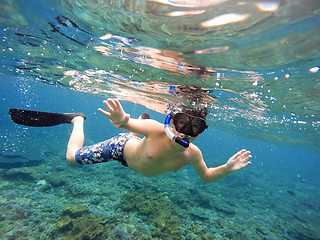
column 258, row 60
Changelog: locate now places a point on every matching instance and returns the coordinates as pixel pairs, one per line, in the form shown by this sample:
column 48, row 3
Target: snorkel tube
column 182, row 141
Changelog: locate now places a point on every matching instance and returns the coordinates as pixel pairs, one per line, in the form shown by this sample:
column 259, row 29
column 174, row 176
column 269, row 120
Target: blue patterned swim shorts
column 111, row 149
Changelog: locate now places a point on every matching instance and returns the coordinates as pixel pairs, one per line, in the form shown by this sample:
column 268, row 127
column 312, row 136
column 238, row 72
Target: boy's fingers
column 101, row 111
column 112, row 103
column 104, row 112
column 247, row 153
column 107, row 105
column 239, row 153
column 118, row 104
column 247, row 163
column 244, row 152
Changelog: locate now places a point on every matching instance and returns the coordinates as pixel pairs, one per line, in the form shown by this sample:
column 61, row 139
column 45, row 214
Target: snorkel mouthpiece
column 182, row 141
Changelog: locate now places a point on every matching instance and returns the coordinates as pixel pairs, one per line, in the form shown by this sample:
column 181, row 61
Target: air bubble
column 314, row 69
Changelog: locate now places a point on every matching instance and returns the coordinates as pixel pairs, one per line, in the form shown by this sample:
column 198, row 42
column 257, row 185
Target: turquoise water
column 259, row 69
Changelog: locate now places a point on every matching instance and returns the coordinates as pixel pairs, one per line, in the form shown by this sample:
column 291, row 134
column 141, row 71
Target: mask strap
column 182, row 141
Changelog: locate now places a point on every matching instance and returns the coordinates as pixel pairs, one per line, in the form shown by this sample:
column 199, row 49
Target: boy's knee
column 71, row 157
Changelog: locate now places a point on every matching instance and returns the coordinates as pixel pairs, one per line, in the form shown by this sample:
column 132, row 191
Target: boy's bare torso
column 156, row 154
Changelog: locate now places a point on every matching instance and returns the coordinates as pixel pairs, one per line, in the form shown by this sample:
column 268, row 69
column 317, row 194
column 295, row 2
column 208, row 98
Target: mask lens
column 196, row 125
column 199, row 125
column 180, row 120
column 188, row 124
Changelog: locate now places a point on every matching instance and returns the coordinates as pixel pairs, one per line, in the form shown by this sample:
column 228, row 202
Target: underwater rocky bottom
column 106, row 201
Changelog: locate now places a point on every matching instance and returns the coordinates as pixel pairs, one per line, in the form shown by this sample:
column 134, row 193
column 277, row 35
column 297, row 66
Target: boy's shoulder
column 195, row 153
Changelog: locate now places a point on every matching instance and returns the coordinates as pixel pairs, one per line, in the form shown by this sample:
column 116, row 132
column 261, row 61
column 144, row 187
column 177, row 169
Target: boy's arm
column 120, row 119
column 236, row 162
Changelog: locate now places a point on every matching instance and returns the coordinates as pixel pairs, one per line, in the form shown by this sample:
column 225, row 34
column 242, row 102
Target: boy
column 156, row 153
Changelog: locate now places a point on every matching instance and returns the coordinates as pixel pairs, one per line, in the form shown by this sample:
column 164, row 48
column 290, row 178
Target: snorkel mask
column 186, row 124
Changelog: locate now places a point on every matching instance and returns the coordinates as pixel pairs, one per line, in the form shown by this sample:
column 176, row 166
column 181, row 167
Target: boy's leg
column 76, row 139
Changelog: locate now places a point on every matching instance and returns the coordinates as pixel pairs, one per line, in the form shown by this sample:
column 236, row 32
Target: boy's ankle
column 77, row 119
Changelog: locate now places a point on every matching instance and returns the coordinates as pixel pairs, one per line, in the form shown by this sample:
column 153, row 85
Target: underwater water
column 253, row 64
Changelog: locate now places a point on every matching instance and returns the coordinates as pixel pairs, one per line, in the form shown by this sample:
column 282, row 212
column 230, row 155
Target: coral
column 156, row 208
column 45, row 188
column 65, row 223
column 25, row 174
column 198, row 213
column 148, row 203
column 56, row 181
column 225, row 208
column 75, row 211
column 119, row 233
column 95, row 200
column 203, row 200
column 87, row 227
column 304, row 231
column 41, row 182
column 192, row 236
column 77, row 223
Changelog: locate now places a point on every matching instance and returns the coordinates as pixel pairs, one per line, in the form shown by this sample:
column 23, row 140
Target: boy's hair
column 191, row 100
column 201, row 112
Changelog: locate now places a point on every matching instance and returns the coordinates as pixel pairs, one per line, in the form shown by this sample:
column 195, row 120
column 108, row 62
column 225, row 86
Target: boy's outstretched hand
column 115, row 112
column 239, row 160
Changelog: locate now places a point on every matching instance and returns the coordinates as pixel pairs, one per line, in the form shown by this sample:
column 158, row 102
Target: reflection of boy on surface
column 155, row 153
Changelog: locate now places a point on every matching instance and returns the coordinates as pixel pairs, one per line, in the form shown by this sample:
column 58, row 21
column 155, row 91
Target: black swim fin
column 41, row 119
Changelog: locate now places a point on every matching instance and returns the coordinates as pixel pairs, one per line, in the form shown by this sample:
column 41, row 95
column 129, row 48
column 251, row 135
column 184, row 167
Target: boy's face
column 183, row 135
column 189, row 125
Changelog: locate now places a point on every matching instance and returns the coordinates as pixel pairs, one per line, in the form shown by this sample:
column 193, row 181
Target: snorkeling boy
column 162, row 149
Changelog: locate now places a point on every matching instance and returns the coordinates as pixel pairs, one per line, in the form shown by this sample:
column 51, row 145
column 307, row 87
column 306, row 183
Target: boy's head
column 187, row 118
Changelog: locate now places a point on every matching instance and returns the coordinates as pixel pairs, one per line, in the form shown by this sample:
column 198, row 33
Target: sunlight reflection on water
column 242, row 52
